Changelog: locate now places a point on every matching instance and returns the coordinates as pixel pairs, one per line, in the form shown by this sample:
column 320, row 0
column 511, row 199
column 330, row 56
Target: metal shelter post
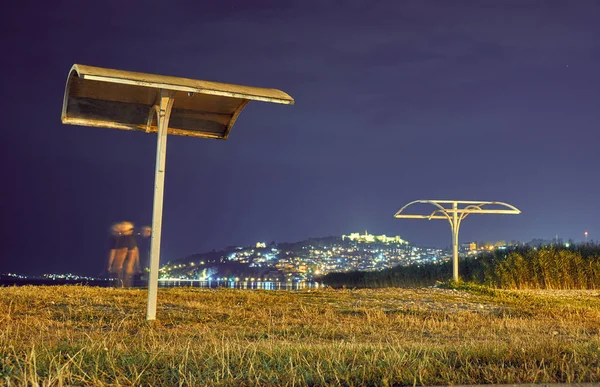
column 162, row 110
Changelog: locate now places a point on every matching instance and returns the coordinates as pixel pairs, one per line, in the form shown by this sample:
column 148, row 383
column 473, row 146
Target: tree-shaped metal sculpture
column 455, row 211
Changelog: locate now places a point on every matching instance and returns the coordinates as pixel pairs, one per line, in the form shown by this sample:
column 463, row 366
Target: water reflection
column 171, row 283
column 267, row 285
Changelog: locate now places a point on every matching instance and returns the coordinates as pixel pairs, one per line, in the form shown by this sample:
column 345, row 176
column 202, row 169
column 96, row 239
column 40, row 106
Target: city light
column 309, row 260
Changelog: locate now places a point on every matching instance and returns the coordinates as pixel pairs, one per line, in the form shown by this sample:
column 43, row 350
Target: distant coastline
column 14, row 281
column 8, row 281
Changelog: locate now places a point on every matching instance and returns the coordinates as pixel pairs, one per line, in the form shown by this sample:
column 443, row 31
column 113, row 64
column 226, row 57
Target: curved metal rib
column 431, row 216
column 152, row 114
column 74, row 72
column 509, row 206
column 465, row 214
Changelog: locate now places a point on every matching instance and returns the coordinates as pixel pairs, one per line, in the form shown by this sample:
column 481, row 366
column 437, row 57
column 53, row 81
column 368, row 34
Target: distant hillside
column 302, row 260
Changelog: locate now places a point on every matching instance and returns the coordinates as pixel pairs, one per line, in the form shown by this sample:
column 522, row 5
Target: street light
column 454, row 215
column 118, row 99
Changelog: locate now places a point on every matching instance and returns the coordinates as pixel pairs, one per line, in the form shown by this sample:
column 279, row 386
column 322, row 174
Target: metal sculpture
column 455, row 211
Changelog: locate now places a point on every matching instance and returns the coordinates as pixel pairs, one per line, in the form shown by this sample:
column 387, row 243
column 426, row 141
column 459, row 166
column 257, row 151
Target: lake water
column 267, row 285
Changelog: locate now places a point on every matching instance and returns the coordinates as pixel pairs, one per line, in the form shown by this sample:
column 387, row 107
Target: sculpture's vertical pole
column 164, row 104
column 455, row 241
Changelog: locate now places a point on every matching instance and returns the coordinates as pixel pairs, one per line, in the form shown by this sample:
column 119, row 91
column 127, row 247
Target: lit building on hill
column 368, row 238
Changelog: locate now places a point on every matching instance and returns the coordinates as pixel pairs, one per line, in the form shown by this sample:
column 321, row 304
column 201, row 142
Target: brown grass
column 94, row 336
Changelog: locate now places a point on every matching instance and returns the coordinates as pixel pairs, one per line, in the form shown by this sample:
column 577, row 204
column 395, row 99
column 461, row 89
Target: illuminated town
column 309, row 259
column 302, row 261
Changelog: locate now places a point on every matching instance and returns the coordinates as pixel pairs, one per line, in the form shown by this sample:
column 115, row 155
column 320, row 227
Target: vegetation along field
column 551, row 267
column 390, row 336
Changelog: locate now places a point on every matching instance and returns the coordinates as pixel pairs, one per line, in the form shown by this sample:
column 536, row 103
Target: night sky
column 395, row 101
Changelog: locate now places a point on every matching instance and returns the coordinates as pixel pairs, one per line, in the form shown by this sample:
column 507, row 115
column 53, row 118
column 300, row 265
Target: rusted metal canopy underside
column 96, row 96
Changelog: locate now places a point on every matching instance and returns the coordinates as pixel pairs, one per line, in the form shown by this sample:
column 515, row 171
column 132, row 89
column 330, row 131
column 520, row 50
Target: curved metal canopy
column 119, row 99
column 470, row 207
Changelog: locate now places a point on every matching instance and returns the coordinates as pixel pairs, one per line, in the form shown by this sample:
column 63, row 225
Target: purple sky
column 395, row 101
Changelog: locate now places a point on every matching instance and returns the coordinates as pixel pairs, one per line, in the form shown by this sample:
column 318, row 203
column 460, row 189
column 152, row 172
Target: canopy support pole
column 454, row 225
column 163, row 107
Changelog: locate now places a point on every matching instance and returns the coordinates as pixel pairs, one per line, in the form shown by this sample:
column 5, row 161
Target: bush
column 549, row 267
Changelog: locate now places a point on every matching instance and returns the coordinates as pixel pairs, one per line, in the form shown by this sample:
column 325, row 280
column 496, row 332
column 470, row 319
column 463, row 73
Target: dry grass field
column 77, row 335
